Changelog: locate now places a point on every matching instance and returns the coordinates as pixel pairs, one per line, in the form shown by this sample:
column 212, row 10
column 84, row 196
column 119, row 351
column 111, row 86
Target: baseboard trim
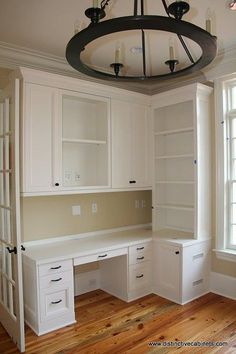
column 223, row 285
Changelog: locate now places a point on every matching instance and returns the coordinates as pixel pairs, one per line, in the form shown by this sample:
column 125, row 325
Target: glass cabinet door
column 85, row 140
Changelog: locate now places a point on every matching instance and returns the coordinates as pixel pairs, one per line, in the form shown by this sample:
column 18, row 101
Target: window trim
column 223, row 249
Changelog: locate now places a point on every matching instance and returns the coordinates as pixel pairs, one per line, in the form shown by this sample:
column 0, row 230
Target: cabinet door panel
column 140, row 172
column 38, row 130
column 121, row 144
column 167, row 271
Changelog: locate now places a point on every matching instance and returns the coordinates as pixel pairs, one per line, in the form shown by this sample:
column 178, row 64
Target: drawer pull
column 139, row 276
column 139, row 248
column 103, row 256
column 54, row 268
column 197, row 282
column 140, row 258
column 55, row 280
column 56, row 302
column 196, row 256
column 177, row 252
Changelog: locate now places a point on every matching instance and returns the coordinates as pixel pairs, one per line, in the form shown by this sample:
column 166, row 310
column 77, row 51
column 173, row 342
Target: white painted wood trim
column 223, row 285
column 93, row 190
column 226, row 254
column 86, row 234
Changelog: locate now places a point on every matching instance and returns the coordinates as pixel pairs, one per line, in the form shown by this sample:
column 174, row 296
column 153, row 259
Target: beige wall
column 45, row 217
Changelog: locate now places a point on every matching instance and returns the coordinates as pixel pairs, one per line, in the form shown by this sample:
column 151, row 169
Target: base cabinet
column 49, row 295
column 181, row 272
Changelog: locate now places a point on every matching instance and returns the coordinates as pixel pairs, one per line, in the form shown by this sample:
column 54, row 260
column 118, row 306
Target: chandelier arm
column 104, row 3
column 179, row 36
column 165, row 7
column 186, row 48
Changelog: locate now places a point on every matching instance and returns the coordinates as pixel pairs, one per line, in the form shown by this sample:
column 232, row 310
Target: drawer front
column 56, row 280
column 55, row 267
column 139, row 257
column 140, row 253
column 100, row 256
column 56, row 303
column 139, row 276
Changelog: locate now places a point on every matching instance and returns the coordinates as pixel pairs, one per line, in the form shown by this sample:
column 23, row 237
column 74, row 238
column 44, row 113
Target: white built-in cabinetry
column 182, row 164
column 68, row 145
column 66, row 140
column 48, row 294
column 130, row 145
column 181, row 268
column 181, row 191
column 125, row 272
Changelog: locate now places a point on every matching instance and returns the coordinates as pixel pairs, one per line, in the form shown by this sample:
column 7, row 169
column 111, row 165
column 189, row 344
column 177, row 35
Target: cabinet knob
column 177, row 252
column 132, row 182
column 57, row 184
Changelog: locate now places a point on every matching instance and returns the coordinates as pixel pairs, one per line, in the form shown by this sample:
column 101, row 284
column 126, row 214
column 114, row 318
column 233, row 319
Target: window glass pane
column 233, row 131
column 233, row 172
column 234, row 193
column 234, row 148
column 234, row 97
column 233, row 236
column 234, row 214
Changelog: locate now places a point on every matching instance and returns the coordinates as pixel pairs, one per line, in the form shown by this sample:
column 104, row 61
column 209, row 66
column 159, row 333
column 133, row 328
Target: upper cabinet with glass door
column 65, row 141
column 84, row 141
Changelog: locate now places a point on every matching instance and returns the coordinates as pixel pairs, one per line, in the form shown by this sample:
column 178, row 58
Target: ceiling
column 47, row 26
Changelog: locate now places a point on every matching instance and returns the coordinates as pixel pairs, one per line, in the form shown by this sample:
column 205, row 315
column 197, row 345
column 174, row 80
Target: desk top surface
column 67, row 249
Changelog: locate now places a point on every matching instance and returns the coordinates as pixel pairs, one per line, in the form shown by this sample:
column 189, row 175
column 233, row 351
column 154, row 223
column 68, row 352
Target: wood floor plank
column 106, row 325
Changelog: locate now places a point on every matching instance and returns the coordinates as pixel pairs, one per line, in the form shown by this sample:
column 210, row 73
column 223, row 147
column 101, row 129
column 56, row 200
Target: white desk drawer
column 56, row 280
column 55, row 267
column 139, row 257
column 139, row 276
column 100, row 256
column 56, row 303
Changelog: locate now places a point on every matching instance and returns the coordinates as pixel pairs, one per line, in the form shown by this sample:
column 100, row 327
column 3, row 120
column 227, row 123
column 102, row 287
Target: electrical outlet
column 143, row 203
column 68, row 177
column 76, row 210
column 94, row 208
column 136, row 204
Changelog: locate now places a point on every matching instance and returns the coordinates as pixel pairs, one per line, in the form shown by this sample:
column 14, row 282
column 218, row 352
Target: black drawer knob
column 57, row 184
column 177, row 252
column 132, row 182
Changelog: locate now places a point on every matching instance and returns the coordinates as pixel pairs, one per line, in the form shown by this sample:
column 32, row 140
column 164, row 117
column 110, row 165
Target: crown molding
column 13, row 56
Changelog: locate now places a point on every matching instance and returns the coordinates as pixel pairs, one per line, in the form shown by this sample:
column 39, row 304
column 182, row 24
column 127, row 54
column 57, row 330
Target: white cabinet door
column 40, row 105
column 121, row 144
column 129, row 145
column 141, row 154
column 166, row 272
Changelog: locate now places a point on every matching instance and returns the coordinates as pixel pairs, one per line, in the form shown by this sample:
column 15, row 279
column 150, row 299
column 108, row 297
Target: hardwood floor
column 108, row 325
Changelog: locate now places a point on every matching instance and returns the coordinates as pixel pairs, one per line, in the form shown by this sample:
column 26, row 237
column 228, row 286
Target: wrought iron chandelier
column 171, row 23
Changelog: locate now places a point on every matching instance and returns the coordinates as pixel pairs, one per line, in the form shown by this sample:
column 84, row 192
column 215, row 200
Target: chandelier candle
column 95, row 4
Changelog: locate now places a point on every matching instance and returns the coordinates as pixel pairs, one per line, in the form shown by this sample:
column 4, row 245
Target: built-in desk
column 125, row 268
